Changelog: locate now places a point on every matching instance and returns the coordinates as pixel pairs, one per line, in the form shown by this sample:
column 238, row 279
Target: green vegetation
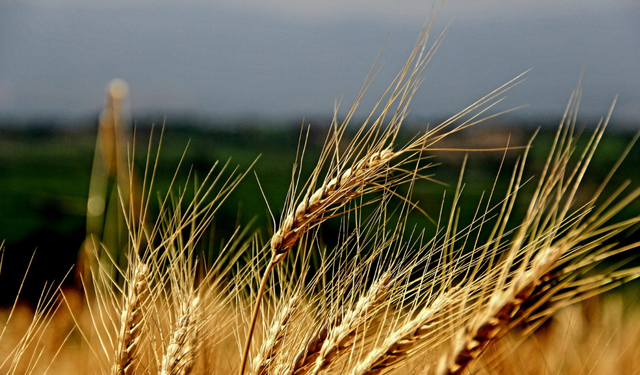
column 45, row 175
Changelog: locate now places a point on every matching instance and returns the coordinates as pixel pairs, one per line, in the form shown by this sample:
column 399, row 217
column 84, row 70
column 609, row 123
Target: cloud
column 296, row 57
column 381, row 10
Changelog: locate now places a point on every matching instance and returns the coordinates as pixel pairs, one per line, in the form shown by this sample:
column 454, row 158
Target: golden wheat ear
column 179, row 356
column 411, row 336
column 307, row 357
column 362, row 168
column 264, row 362
column 321, row 203
column 342, row 336
column 547, row 252
column 132, row 323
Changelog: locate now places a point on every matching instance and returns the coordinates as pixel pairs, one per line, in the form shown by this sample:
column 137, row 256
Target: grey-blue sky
column 294, row 58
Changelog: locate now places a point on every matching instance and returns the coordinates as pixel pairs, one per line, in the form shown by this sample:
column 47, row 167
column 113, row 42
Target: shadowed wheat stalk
column 549, row 239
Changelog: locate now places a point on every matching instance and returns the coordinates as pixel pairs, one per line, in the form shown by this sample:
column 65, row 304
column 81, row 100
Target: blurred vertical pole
column 110, row 187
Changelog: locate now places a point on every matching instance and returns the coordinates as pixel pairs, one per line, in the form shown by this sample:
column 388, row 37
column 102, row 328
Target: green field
column 45, row 175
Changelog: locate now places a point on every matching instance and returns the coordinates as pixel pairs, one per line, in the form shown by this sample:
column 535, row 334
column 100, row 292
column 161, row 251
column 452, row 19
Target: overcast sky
column 290, row 58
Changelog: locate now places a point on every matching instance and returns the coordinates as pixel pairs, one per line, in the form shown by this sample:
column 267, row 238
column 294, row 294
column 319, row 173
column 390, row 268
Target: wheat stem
column 254, row 316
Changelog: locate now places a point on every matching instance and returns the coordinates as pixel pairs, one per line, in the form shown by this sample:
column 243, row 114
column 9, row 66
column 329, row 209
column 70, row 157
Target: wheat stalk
column 370, row 154
column 549, row 238
column 503, row 309
column 314, row 208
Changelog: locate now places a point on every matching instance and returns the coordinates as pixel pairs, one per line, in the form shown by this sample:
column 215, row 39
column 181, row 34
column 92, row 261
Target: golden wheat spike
column 402, row 342
column 263, row 362
column 338, row 190
column 342, row 336
column 180, row 353
column 132, row 322
column 308, row 356
column 369, row 154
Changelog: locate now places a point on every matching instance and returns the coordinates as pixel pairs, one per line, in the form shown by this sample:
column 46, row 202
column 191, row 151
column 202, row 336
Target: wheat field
column 487, row 296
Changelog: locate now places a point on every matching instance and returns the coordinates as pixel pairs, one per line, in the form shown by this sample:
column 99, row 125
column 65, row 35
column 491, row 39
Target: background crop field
column 45, row 173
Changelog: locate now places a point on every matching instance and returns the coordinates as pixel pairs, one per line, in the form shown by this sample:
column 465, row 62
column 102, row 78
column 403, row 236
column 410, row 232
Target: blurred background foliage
column 45, row 173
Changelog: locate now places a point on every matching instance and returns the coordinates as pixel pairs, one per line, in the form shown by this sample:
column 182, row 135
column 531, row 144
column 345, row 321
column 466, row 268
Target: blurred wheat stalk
column 387, row 299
